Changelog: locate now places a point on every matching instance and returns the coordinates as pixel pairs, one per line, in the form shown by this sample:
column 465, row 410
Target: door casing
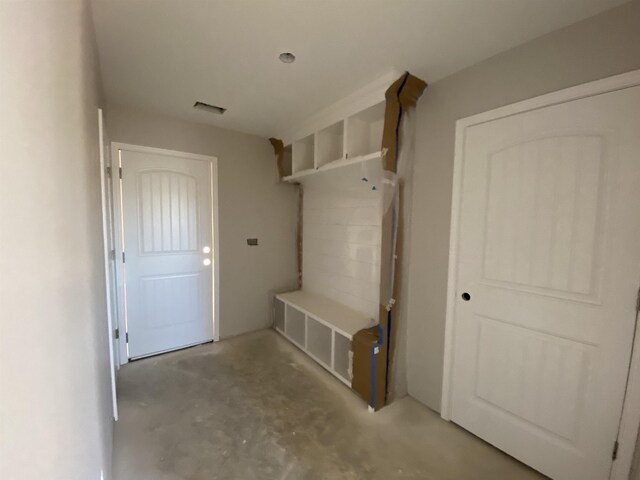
column 116, row 149
column 105, row 163
column 630, row 420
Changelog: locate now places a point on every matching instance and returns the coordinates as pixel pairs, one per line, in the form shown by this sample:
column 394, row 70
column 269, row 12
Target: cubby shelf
column 336, row 164
column 356, row 138
column 321, row 327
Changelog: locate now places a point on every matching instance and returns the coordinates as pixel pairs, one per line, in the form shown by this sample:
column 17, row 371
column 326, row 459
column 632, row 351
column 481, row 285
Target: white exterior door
column 549, row 254
column 168, row 242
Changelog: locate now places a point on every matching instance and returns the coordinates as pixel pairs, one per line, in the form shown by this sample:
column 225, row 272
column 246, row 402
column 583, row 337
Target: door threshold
column 170, row 350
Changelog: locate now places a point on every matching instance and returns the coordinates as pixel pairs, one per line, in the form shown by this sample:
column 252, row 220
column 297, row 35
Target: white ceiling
column 163, row 55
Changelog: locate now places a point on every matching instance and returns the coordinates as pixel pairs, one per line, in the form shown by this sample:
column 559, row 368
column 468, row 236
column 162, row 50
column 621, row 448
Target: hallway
column 254, row 407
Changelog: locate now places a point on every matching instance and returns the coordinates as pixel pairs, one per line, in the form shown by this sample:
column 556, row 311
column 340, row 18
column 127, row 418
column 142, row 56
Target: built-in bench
column 321, row 327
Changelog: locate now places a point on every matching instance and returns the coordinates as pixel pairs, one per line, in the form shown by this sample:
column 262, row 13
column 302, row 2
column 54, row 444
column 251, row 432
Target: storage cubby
column 319, row 341
column 323, row 328
column 295, row 325
column 302, row 154
column 278, row 315
column 287, row 161
column 342, row 356
column 364, row 131
column 329, row 144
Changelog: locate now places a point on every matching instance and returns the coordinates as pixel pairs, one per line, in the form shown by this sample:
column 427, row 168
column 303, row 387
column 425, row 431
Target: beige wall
column 55, row 414
column 252, row 203
column 598, row 47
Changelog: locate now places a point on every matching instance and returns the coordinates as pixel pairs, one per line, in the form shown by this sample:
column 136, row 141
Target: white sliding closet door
column 548, row 267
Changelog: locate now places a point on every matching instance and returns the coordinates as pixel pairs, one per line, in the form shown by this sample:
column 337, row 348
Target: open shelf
column 329, row 144
column 287, row 161
column 302, row 155
column 364, row 131
column 295, row 325
column 322, row 328
column 342, row 356
column 319, row 340
column 348, row 174
column 278, row 314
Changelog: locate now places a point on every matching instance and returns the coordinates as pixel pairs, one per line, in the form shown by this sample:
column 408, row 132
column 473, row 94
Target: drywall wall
column 604, row 45
column 252, row 204
column 55, row 419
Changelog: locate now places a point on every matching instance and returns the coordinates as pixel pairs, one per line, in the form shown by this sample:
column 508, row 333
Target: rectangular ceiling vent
column 209, row 108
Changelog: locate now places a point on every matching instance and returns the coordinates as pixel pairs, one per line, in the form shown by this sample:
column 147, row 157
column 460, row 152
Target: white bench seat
column 321, row 327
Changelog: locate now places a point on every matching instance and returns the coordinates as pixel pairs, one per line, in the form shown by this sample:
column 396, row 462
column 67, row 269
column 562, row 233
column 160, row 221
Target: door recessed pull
column 466, row 297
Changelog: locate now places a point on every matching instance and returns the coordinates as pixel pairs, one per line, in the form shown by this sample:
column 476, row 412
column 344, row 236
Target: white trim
column 631, row 409
column 107, row 261
column 630, row 420
column 118, row 247
column 116, row 147
column 215, row 225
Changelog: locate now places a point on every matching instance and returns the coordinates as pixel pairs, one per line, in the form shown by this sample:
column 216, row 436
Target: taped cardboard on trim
column 402, row 95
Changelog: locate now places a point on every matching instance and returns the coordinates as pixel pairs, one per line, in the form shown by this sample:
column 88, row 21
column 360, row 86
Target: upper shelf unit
column 356, row 137
column 303, row 157
column 330, row 144
column 365, row 131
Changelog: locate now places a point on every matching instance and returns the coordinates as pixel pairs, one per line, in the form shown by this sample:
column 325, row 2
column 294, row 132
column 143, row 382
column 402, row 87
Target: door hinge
column 116, row 334
column 112, row 254
column 108, row 172
column 126, row 337
column 614, row 455
column 638, row 301
column 122, row 257
column 120, row 171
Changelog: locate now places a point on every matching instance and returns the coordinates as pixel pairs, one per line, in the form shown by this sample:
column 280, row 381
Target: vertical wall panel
column 341, row 243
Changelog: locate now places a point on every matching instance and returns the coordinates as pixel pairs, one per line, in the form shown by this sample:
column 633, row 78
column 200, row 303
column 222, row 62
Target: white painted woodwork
column 295, row 325
column 278, row 314
column 547, row 247
column 303, row 154
column 321, row 327
column 343, row 319
column 342, row 356
column 319, row 340
column 108, row 240
column 167, row 218
column 329, row 144
column 287, row 160
column 337, row 156
column 346, row 133
column 341, row 246
column 364, row 131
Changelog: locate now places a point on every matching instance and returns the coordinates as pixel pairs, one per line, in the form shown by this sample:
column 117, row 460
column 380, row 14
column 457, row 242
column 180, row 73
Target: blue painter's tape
column 372, row 368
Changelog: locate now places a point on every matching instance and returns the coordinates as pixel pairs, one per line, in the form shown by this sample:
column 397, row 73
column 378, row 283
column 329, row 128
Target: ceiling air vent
column 209, row 108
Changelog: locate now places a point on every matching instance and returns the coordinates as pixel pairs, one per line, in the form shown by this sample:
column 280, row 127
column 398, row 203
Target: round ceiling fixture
column 287, row 57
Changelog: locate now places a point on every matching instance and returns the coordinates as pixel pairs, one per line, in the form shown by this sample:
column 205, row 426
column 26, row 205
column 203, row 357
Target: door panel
column 549, row 251
column 167, row 226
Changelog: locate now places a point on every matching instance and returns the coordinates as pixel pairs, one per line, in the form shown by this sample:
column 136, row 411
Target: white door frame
column 116, row 149
column 107, row 258
column 631, row 409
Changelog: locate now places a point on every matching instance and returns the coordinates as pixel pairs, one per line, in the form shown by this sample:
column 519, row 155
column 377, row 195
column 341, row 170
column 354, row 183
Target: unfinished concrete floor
column 254, row 407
